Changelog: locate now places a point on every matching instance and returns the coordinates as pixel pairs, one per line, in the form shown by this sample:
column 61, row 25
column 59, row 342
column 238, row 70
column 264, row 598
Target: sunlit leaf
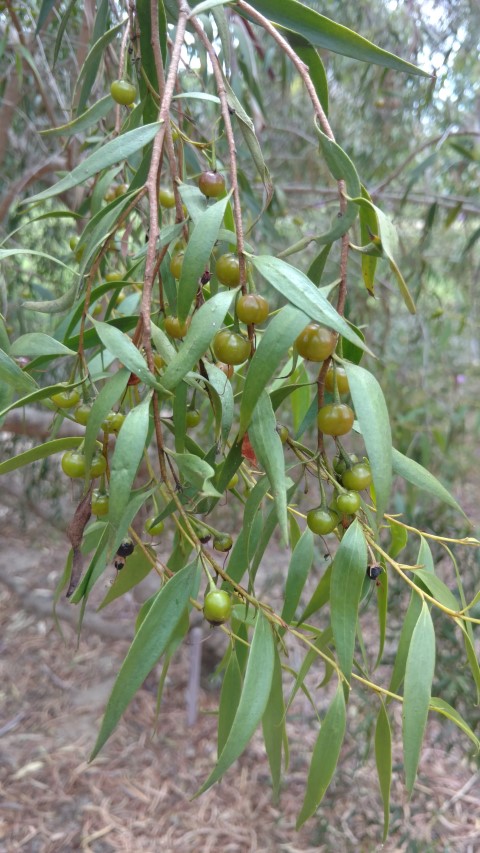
column 416, row 698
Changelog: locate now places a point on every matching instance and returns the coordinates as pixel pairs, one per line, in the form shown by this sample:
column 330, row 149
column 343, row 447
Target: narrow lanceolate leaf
column 278, row 337
column 147, row 647
column 368, row 227
column 422, row 479
column 58, row 445
column 268, row 449
column 13, row 375
column 273, row 724
column 53, row 306
column 112, row 152
column 253, row 701
column 297, row 289
column 342, row 169
column 372, row 415
column 348, row 574
column 300, row 565
column 91, row 117
column 126, row 458
column 444, row 708
column 411, row 619
column 383, row 757
column 205, row 323
column 40, row 394
column 248, row 130
column 229, row 699
column 325, row 33
column 36, row 343
column 111, row 392
column 197, row 255
column 325, row 756
column 123, row 348
column 416, row 697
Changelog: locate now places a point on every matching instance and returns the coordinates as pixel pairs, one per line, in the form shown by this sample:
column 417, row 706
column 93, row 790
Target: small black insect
column 119, row 563
column 373, row 572
column 125, row 549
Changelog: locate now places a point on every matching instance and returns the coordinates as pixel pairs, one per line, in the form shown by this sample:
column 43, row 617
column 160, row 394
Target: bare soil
column 137, row 795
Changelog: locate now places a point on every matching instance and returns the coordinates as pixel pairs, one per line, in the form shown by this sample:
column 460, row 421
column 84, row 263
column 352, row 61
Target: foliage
column 186, row 404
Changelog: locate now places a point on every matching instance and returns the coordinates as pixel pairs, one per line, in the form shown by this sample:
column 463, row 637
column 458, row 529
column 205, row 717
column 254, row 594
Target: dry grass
column 137, row 795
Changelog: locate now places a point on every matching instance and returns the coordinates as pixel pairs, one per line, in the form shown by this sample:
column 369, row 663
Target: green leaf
column 385, row 240
column 321, row 643
column 348, row 574
column 197, row 472
column 89, row 69
column 437, row 588
column 300, row 565
column 197, row 255
column 58, row 445
column 148, row 645
column 383, row 757
column 91, row 117
column 221, row 393
column 37, row 343
column 61, row 29
column 13, row 375
column 279, row 335
column 205, row 323
column 229, row 699
column 416, row 698
column 316, row 68
column 123, row 348
column 297, row 288
column 206, row 5
column 325, row 756
column 444, row 708
column 127, row 456
column 253, row 701
column 325, row 33
column 247, row 128
column 137, row 567
column 273, row 724
column 422, row 479
column 368, row 227
column 411, row 619
column 320, row 596
column 108, row 396
column 268, row 449
column 372, row 415
column 45, row 9
column 342, row 169
column 117, row 149
column 53, row 306
column 399, row 536
column 471, row 656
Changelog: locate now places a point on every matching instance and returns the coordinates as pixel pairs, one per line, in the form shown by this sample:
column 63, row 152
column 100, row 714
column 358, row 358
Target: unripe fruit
column 82, row 413
column 358, row 477
column 342, row 380
column 217, row 606
column 176, row 264
column 174, row 328
column 152, row 528
column 192, row 418
column 335, row 419
column 322, row 521
column 315, row 342
column 66, row 399
column 252, row 308
column 123, row 92
column 166, row 197
column 230, row 347
column 222, row 542
column 348, row 502
column 233, row 482
column 113, row 421
column 227, row 270
column 100, row 502
column 211, row 184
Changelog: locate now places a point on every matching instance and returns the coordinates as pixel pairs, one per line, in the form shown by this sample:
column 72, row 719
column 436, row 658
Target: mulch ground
column 137, row 795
